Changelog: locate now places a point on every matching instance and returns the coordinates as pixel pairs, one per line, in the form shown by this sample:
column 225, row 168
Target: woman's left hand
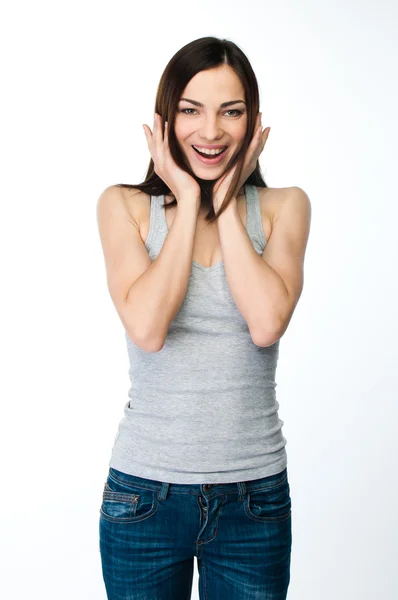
column 253, row 152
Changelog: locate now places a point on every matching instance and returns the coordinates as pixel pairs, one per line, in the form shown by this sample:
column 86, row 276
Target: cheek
column 237, row 131
column 182, row 130
column 240, row 133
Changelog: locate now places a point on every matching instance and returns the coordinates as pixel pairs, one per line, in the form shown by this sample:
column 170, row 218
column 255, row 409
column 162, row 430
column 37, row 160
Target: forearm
column 156, row 297
column 256, row 288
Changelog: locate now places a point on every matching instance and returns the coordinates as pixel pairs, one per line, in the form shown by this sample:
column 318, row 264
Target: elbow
column 263, row 340
column 148, row 347
column 264, row 343
column 151, row 343
column 155, row 347
column 272, row 335
column 145, row 342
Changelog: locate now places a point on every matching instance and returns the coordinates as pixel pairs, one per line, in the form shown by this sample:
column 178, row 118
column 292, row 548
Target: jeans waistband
column 210, row 490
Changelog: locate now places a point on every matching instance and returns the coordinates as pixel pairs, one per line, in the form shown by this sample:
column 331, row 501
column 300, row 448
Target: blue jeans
column 150, row 531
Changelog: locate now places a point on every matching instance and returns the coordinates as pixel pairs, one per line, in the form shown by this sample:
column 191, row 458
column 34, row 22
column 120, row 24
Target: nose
column 210, row 129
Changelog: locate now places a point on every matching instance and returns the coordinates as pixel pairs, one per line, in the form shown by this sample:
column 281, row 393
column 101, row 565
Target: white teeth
column 208, row 151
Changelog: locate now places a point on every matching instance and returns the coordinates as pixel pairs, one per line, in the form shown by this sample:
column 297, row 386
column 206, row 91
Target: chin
column 206, row 176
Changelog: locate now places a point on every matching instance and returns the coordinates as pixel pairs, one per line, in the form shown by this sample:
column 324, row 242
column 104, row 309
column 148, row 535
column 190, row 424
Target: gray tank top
column 203, row 409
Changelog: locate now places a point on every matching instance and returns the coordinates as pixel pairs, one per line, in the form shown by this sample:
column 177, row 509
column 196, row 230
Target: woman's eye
column 239, row 112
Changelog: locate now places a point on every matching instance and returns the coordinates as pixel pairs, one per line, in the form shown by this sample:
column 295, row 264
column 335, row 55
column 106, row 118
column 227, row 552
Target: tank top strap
column 157, row 221
column 254, row 222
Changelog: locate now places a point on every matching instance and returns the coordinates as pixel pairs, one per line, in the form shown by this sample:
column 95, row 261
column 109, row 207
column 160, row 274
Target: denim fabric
column 150, row 531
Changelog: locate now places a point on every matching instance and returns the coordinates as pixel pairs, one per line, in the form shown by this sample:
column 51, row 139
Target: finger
column 148, row 136
column 256, row 136
column 166, row 136
column 255, row 142
column 145, row 128
column 157, row 129
column 265, row 135
column 158, row 148
column 255, row 147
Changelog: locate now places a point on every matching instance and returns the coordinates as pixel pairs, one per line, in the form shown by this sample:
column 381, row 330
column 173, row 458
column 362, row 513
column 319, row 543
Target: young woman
column 204, row 264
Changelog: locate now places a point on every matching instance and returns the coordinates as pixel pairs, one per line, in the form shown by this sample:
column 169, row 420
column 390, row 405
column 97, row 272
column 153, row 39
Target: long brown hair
column 201, row 54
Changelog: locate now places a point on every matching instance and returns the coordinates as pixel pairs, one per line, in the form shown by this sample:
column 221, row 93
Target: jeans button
column 207, row 487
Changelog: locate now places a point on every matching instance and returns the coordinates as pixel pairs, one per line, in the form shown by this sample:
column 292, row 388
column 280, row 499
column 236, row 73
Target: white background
column 79, row 79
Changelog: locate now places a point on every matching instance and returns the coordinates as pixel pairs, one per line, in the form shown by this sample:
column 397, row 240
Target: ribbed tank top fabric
column 203, row 409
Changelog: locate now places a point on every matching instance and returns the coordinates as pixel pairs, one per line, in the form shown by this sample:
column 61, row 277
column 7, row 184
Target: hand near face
column 180, row 183
column 253, row 152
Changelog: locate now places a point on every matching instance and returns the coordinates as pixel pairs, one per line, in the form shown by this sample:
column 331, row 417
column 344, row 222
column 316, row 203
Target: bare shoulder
column 273, row 200
column 131, row 200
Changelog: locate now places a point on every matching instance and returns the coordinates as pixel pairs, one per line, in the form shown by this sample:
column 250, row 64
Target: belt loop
column 242, row 490
column 162, row 495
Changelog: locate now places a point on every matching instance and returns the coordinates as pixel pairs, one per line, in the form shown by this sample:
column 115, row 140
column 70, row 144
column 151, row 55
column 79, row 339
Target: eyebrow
column 196, row 103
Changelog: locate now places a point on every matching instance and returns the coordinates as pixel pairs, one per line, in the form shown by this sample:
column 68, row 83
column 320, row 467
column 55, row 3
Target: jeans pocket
column 269, row 504
column 125, row 502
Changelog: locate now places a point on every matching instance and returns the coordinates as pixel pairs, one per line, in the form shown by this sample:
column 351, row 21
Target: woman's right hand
column 181, row 184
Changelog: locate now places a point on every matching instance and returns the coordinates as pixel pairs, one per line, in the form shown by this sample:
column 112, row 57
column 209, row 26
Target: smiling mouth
column 210, row 155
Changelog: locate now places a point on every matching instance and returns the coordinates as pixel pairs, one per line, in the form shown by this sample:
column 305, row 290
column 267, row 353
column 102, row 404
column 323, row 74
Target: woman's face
column 211, row 124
